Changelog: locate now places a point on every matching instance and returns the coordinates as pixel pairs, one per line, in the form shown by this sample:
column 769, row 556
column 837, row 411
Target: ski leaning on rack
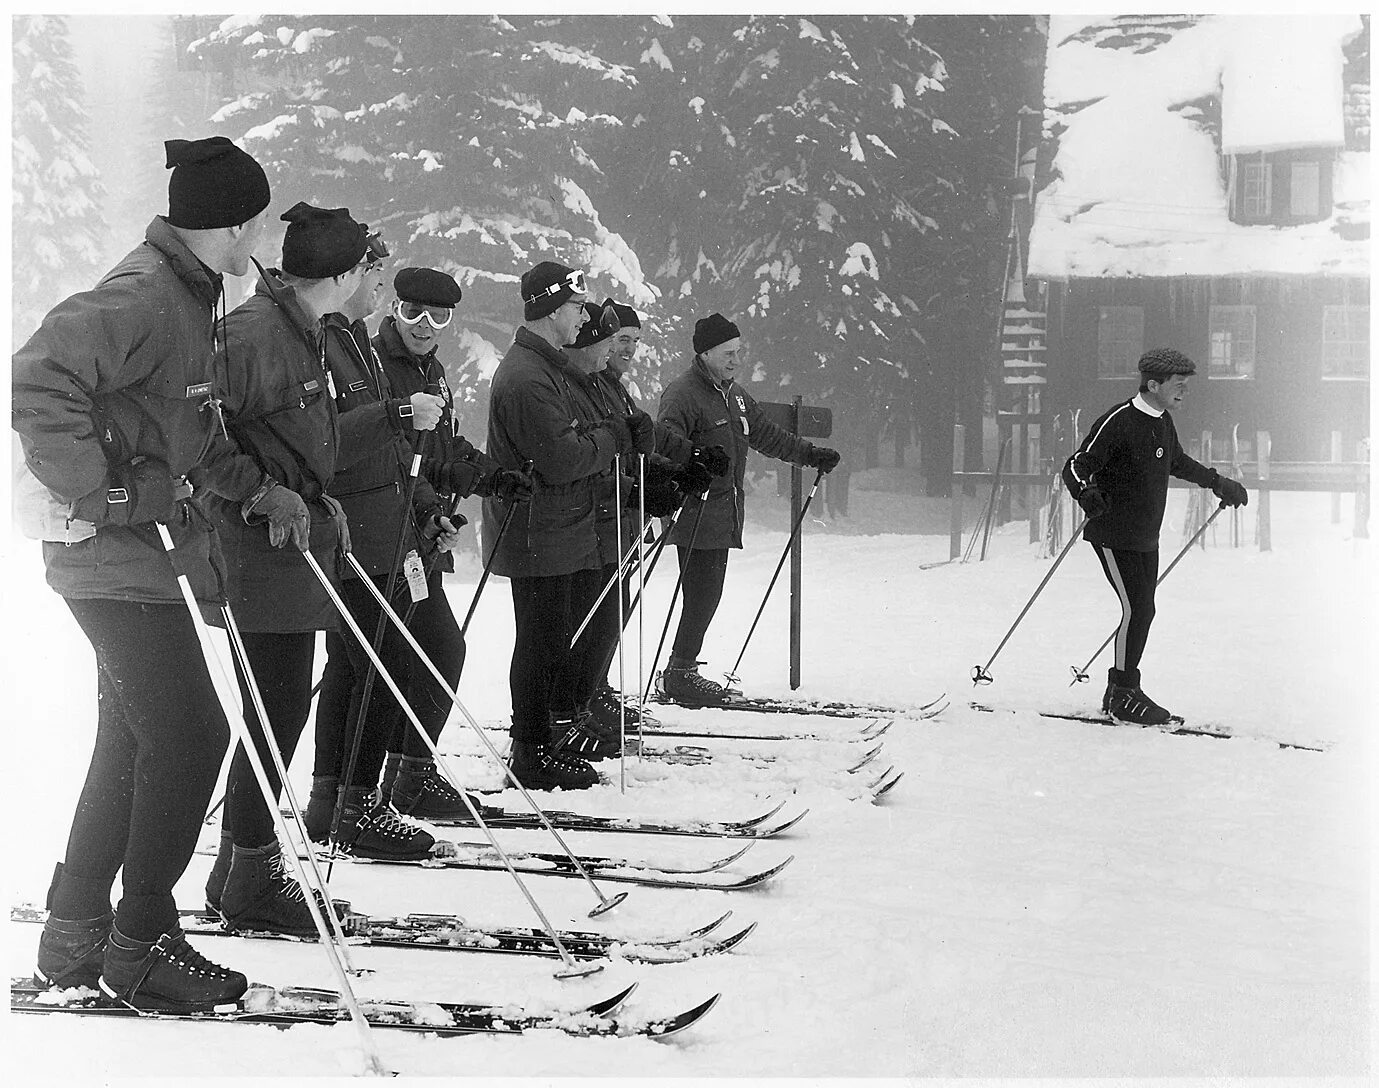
column 1175, row 727
column 831, row 709
column 287, row 1007
column 756, row 828
column 450, row 933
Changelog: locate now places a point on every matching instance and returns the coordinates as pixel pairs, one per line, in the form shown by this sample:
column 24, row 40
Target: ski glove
column 662, row 497
column 139, row 492
column 342, row 523
column 512, row 486
column 283, row 510
column 713, row 458
column 1231, row 492
column 1093, row 502
column 643, row 430
column 693, row 478
column 822, row 458
column 621, row 432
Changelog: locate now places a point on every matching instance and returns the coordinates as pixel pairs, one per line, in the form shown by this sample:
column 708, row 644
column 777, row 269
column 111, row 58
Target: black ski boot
column 220, row 869
column 537, row 767
column 260, row 894
column 420, row 791
column 1117, row 679
column 1131, row 706
column 681, row 683
column 71, row 950
column 603, row 708
column 320, row 806
column 577, row 735
column 167, row 975
column 370, row 829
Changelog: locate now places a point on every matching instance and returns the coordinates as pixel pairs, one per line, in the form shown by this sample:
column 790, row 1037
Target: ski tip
column 774, row 831
column 702, row 930
column 758, row 819
column 729, row 943
column 885, row 786
column 664, row 1029
column 609, row 1004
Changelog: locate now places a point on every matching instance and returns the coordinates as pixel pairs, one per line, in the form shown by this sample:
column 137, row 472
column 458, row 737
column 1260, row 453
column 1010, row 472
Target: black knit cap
column 427, row 287
column 601, row 323
column 321, row 242
column 711, row 331
column 627, row 316
column 213, row 184
column 1160, row 363
column 535, row 303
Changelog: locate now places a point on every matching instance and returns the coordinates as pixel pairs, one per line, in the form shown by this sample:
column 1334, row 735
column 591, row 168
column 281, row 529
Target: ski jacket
column 707, row 413
column 1129, row 454
column 117, row 373
column 281, row 424
column 372, row 485
column 541, row 411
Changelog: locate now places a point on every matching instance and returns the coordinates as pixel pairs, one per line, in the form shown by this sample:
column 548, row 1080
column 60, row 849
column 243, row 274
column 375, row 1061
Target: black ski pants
column 160, row 739
column 702, row 572
column 281, row 664
column 386, row 728
column 593, row 661
column 544, row 674
column 1132, row 575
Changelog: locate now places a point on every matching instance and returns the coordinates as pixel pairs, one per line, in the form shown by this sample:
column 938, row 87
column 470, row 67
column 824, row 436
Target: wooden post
column 796, row 557
column 955, row 503
column 1262, row 518
column 1336, row 495
column 1362, row 491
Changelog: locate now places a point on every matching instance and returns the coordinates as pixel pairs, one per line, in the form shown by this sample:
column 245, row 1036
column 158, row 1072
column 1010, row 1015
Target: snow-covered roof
column 1137, row 186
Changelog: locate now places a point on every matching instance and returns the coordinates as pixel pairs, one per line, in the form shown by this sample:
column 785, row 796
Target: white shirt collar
column 1145, row 407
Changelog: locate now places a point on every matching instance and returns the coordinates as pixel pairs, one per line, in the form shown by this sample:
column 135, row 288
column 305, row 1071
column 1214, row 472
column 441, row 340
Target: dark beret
column 427, row 287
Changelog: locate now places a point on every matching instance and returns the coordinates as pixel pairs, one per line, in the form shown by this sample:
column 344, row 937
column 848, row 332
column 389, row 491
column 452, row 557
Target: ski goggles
column 575, row 282
column 409, row 313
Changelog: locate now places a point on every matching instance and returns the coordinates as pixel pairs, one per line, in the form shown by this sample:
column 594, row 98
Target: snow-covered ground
column 1037, row 897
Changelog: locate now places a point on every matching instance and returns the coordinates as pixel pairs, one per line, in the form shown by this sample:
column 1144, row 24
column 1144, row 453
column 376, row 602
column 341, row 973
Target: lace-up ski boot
column 261, row 894
column 220, row 869
column 71, row 950
column 320, row 806
column 167, row 975
column 419, row 790
column 370, row 829
column 1117, row 679
column 603, row 708
column 538, row 767
column 681, row 683
column 574, row 734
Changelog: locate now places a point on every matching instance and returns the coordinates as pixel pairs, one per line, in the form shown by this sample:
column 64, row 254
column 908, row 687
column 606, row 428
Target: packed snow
column 1036, row 898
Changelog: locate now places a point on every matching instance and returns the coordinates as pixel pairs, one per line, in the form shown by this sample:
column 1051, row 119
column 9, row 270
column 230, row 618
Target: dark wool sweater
column 1129, row 454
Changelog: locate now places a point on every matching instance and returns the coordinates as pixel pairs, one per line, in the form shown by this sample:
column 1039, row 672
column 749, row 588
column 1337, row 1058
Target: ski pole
column 675, row 593
column 240, row 730
column 617, row 580
column 488, row 563
column 605, row 903
column 980, row 675
column 732, row 677
column 624, row 566
column 572, row 968
column 641, row 585
column 1080, row 675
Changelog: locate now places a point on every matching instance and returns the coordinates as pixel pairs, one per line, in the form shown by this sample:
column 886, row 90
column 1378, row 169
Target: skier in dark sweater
column 1119, row 475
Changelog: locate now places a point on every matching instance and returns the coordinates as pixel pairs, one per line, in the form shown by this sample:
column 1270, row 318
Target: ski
column 870, row 732
column 646, row 878
column 450, row 933
column 696, row 755
column 833, row 709
column 885, row 784
column 757, row 828
column 1175, row 727
column 287, row 1007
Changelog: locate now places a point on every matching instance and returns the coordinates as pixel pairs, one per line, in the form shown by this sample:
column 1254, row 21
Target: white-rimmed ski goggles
column 409, row 313
column 574, row 282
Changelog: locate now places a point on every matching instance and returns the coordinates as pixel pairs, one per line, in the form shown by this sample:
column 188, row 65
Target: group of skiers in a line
column 275, row 457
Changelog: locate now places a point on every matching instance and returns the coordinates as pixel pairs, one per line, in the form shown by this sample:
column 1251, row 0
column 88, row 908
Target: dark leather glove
column 342, row 523
column 139, row 492
column 286, row 515
column 1231, row 492
column 643, row 430
column 663, row 498
column 713, row 458
column 455, row 477
column 621, row 432
column 693, row 478
column 822, row 458
column 1093, row 502
column 513, row 486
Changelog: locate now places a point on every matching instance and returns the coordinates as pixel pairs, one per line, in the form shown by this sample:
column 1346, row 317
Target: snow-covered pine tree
column 55, row 192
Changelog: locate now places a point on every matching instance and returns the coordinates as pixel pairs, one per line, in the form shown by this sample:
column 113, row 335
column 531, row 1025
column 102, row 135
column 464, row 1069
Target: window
column 1231, row 342
column 1256, row 189
column 1120, row 341
column 1304, row 189
column 1345, row 342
